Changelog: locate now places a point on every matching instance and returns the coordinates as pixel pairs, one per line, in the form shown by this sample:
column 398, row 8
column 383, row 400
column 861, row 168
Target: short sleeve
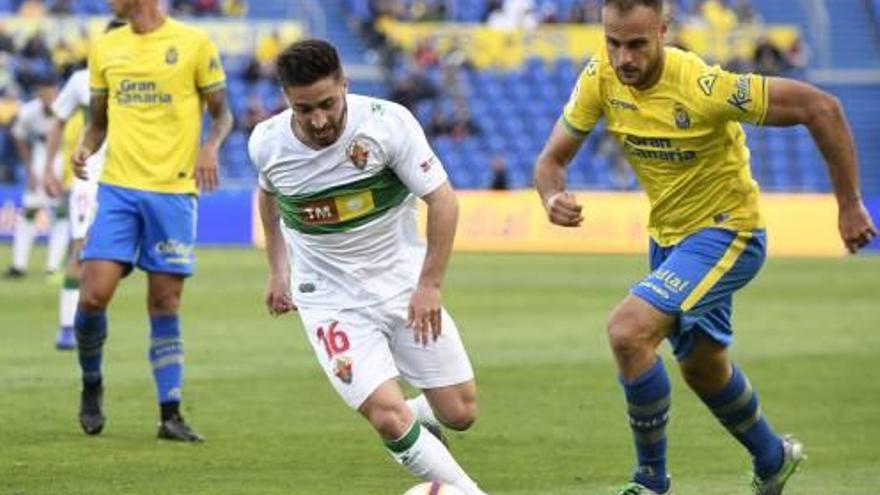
column 739, row 97
column 67, row 100
column 411, row 157
column 97, row 80
column 210, row 76
column 254, row 152
column 584, row 107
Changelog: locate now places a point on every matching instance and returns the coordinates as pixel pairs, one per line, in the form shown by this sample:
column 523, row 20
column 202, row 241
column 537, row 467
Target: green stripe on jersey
column 343, row 207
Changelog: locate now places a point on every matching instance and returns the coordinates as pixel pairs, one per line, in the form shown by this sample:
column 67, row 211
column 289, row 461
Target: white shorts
column 84, row 195
column 82, row 202
column 362, row 348
column 39, row 198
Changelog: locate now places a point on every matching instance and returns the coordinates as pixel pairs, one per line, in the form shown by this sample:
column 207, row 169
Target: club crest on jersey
column 342, row 368
column 171, row 56
column 358, row 153
column 682, row 119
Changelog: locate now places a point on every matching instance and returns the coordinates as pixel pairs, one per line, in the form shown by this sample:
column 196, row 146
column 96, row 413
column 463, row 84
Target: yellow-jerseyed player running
column 149, row 81
column 678, row 121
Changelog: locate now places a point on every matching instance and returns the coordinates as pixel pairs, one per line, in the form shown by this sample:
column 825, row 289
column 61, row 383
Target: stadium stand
column 476, row 111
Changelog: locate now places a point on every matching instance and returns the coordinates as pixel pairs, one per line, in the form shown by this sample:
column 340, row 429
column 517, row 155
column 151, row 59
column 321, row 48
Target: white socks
column 425, row 457
column 22, row 241
column 422, row 411
column 67, row 305
column 59, row 238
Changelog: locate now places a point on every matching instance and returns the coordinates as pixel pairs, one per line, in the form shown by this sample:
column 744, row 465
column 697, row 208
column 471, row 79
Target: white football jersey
column 76, row 96
column 32, row 126
column 349, row 210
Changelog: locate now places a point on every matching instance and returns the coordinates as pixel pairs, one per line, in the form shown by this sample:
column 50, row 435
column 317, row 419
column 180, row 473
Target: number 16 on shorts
column 336, row 342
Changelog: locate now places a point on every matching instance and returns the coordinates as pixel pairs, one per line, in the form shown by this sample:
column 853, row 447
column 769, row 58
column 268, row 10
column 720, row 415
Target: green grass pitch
column 552, row 417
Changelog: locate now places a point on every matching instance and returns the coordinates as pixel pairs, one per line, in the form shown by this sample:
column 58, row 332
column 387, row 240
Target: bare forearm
column 94, row 137
column 833, row 137
column 276, row 251
column 442, row 223
column 554, row 158
column 221, row 119
column 53, row 140
column 549, row 177
column 221, row 125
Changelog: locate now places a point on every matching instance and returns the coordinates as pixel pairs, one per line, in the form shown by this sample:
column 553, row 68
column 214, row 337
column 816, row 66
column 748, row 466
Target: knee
column 463, row 418
column 163, row 304
column 92, row 299
column 625, row 336
column 461, row 414
column 392, row 421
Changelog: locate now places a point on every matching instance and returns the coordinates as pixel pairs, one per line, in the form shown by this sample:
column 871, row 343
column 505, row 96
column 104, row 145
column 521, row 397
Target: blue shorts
column 154, row 231
column 695, row 281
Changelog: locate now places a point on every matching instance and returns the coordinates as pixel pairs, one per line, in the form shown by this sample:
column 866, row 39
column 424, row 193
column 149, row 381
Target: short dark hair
column 306, row 62
column 627, row 5
column 114, row 23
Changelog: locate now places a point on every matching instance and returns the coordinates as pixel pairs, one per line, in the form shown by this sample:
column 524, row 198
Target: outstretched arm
column 797, row 103
column 562, row 208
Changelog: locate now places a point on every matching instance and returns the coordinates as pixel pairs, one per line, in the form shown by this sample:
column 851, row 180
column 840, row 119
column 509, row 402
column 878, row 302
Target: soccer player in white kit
column 74, row 97
column 339, row 175
column 29, row 133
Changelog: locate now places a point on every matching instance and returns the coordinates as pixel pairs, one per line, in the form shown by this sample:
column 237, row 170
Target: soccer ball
column 434, row 488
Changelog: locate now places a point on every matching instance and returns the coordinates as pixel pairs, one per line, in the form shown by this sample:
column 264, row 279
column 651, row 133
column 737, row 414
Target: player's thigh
column 115, row 233
column 441, row 363
column 82, row 203
column 352, row 349
column 169, row 233
column 696, row 281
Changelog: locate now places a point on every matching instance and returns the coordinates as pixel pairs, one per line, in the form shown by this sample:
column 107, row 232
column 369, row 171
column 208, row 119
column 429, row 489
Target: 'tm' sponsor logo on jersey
column 337, row 209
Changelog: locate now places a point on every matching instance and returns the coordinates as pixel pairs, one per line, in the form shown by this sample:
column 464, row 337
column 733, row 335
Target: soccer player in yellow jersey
column 678, row 121
column 150, row 81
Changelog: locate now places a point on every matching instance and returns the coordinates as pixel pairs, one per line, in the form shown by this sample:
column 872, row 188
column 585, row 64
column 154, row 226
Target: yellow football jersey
column 683, row 138
column 73, row 130
column 154, row 84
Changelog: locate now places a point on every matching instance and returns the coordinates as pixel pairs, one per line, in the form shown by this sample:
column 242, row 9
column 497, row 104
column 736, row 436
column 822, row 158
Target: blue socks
column 736, row 406
column 166, row 356
column 647, row 399
column 91, row 332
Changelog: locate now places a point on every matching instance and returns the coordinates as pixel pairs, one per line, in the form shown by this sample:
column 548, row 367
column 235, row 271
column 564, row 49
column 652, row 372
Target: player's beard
column 330, row 132
column 650, row 74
